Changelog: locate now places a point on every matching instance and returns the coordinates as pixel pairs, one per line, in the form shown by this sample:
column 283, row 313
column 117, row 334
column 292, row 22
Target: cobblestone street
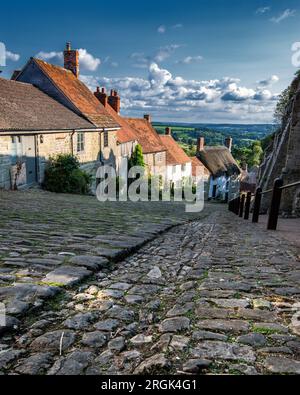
column 214, row 295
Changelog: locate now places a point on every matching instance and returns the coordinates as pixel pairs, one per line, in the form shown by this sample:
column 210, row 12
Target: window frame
column 105, row 139
column 80, row 142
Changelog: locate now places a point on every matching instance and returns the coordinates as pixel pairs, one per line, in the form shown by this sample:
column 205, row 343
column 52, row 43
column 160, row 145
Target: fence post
column 247, row 205
column 256, row 207
column 242, row 204
column 237, row 205
column 275, row 204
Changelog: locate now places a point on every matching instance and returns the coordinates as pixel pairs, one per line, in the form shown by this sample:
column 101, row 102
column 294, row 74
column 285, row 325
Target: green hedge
column 63, row 175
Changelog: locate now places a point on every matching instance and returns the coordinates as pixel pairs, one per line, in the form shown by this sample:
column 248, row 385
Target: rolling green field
column 215, row 134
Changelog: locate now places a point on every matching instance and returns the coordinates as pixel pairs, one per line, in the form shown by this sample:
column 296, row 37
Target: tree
column 251, row 155
column 281, row 105
column 137, row 157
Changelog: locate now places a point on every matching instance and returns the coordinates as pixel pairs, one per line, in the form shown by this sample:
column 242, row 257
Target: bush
column 63, row 175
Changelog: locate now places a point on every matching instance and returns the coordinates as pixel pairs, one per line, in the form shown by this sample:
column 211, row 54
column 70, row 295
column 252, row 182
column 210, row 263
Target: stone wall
column 282, row 159
column 5, row 162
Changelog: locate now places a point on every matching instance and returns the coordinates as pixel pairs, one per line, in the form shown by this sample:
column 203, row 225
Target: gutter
column 36, row 132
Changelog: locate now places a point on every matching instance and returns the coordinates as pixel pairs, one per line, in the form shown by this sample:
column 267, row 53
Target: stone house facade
column 178, row 164
column 47, row 110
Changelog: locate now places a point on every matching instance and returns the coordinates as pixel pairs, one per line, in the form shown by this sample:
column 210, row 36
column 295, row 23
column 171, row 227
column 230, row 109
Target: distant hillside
column 243, row 135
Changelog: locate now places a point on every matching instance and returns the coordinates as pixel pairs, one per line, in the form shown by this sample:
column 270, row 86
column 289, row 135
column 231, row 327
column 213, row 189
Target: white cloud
column 284, row 15
column 161, row 29
column 177, row 26
column 269, row 81
column 12, row 56
column 170, row 97
column 263, row 10
column 190, row 59
column 165, row 52
column 87, row 61
column 56, row 57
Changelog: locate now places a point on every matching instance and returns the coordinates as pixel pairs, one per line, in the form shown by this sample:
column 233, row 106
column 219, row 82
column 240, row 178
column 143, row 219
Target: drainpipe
column 72, row 145
column 100, row 145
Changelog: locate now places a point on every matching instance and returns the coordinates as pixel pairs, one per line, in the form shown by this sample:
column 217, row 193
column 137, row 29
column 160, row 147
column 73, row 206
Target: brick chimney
column 200, row 144
column 168, row 131
column 114, row 101
column 228, row 143
column 147, row 117
column 101, row 96
column 71, row 60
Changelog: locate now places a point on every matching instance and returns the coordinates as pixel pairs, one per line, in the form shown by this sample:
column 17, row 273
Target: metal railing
column 241, row 204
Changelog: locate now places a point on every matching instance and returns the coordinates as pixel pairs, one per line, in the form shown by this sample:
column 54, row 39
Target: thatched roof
column 218, row 160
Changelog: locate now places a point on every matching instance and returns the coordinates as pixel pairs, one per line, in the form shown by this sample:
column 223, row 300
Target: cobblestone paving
column 49, row 241
column 217, row 295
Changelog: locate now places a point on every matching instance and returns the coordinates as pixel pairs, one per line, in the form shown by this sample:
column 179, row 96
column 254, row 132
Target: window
column 80, row 142
column 105, row 139
column 183, row 167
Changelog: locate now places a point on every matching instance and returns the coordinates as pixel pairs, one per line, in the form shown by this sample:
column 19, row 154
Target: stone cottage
column 155, row 153
column 178, row 164
column 126, row 137
column 63, row 85
column 34, row 126
column 224, row 171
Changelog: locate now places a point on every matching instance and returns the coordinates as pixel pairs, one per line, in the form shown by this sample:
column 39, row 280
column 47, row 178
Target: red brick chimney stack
column 101, row 96
column 168, row 131
column 147, row 117
column 71, row 60
column 228, row 143
column 200, row 144
column 114, row 101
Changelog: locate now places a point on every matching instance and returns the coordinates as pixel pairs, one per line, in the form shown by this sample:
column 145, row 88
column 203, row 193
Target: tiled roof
column 218, row 160
column 126, row 133
column 146, row 135
column 25, row 107
column 175, row 154
column 197, row 164
column 78, row 93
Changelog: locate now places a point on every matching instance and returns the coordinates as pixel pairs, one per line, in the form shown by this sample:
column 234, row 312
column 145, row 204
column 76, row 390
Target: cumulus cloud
column 161, row 29
column 190, row 59
column 263, row 10
column 12, row 56
column 54, row 56
column 269, row 81
column 168, row 96
column 87, row 61
column 284, row 15
column 165, row 52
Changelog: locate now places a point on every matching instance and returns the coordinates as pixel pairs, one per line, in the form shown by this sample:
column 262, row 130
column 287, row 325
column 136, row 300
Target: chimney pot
column 200, row 144
column 114, row 101
column 168, row 131
column 147, row 117
column 101, row 96
column 71, row 60
column 228, row 143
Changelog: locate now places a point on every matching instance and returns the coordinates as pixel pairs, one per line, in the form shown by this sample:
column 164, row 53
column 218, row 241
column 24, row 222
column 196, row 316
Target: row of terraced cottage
column 46, row 110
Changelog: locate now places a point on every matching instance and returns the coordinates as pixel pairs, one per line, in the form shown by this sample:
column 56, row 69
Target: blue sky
column 204, row 61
